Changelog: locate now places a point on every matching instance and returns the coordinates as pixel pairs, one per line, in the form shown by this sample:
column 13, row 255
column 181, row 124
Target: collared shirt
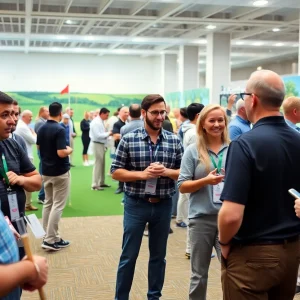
column 292, row 125
column 19, row 140
column 9, row 252
column 192, row 169
column 262, row 165
column 30, row 138
column 132, row 125
column 237, row 127
column 133, row 154
column 39, row 123
column 98, row 132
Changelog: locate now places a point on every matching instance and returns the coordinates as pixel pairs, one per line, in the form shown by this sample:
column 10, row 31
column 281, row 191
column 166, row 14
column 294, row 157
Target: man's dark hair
column 103, row 110
column 150, row 100
column 183, row 112
column 15, row 102
column 5, row 99
column 135, row 111
column 194, row 109
column 55, row 109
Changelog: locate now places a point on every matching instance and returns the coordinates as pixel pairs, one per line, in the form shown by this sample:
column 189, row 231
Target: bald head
column 124, row 113
column 268, row 87
column 26, row 116
column 135, row 111
column 291, row 109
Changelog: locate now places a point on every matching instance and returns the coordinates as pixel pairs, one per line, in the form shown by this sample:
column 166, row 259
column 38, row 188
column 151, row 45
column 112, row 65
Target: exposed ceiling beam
column 104, row 6
column 28, row 20
column 258, row 13
column 211, row 10
column 138, row 7
column 83, row 50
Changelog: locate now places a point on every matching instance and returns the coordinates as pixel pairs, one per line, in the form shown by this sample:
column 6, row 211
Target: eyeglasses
column 155, row 113
column 245, row 94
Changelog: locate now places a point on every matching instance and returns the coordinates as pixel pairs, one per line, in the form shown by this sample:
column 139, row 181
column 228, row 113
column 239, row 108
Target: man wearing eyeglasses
column 258, row 228
column 148, row 161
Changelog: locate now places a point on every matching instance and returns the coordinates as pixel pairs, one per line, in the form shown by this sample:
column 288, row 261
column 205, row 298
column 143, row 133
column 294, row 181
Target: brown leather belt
column 153, row 200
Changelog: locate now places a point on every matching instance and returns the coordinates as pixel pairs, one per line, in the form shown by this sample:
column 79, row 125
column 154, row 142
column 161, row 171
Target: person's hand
column 225, row 250
column 110, row 133
column 157, row 169
column 69, row 149
column 41, row 277
column 74, row 135
column 15, row 179
column 231, row 101
column 297, row 207
column 213, row 179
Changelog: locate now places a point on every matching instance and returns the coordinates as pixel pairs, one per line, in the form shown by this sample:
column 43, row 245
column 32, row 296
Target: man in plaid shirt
column 148, row 161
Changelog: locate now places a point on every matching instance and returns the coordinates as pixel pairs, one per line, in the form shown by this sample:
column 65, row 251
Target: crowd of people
column 223, row 178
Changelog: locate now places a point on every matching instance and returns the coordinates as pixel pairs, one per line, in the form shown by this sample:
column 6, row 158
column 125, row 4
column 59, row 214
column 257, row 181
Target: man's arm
column 230, row 220
column 31, row 181
column 128, row 176
column 23, row 273
column 61, row 145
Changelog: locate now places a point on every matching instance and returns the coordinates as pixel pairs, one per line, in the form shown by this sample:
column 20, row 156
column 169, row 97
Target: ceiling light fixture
column 276, row 29
column 260, row 3
column 211, row 27
column 72, row 22
column 279, row 44
column 240, row 43
column 201, row 62
column 257, row 44
column 259, row 68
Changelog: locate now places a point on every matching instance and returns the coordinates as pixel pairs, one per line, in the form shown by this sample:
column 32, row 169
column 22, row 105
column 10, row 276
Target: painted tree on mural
column 290, row 89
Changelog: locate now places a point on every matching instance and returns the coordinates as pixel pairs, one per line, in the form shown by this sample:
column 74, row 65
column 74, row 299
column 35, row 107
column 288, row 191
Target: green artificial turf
column 83, row 201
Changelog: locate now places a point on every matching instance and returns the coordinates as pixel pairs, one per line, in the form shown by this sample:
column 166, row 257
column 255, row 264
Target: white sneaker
column 86, row 163
column 91, row 162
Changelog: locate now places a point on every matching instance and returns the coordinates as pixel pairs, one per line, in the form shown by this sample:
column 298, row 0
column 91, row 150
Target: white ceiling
column 150, row 27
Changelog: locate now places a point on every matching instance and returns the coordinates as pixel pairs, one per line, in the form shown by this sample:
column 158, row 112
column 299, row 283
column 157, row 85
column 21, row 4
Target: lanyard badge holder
column 11, row 195
column 218, row 188
column 152, row 182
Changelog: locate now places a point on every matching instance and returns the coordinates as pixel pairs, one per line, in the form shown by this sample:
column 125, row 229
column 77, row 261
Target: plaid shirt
column 9, row 252
column 133, row 154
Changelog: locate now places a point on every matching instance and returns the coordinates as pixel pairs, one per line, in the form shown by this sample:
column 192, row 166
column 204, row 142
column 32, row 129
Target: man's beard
column 151, row 125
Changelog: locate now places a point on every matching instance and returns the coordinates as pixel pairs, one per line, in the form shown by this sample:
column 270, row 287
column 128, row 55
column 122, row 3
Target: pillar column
column 188, row 69
column 218, row 69
column 169, row 73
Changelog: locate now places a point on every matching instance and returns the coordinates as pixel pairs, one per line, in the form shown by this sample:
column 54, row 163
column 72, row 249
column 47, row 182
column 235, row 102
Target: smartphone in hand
column 294, row 193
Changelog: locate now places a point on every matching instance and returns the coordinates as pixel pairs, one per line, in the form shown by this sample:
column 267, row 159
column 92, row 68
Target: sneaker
column 297, row 292
column 173, row 216
column 41, row 201
column 188, row 255
column 53, row 247
column 62, row 244
column 212, row 255
column 181, row 225
column 86, row 163
column 97, row 188
column 31, row 207
column 105, row 185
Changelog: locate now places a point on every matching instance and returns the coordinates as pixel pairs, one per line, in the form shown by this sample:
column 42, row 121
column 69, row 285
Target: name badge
column 217, row 191
column 13, row 206
column 151, row 186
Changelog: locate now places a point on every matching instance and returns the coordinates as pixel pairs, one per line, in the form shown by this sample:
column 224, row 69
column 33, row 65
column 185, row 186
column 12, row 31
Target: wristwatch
column 224, row 244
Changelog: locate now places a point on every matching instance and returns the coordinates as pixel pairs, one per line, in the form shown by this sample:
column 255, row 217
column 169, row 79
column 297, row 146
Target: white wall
column 84, row 73
column 282, row 68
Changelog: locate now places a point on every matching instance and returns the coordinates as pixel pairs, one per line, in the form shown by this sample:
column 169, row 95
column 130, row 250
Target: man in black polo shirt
column 258, row 228
column 123, row 116
column 51, row 142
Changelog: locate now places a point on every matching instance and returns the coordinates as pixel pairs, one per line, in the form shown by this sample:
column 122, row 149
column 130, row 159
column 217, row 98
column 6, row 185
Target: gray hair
column 239, row 104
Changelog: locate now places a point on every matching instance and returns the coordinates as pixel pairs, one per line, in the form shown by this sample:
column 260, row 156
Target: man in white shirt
column 98, row 136
column 29, row 136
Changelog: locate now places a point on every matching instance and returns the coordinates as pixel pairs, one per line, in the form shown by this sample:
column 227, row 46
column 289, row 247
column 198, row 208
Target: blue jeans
column 41, row 195
column 137, row 212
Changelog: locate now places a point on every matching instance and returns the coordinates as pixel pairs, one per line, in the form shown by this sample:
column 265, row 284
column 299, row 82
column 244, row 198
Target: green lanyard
column 3, row 173
column 219, row 166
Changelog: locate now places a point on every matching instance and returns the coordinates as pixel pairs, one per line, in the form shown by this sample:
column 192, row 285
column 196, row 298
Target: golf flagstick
column 25, row 239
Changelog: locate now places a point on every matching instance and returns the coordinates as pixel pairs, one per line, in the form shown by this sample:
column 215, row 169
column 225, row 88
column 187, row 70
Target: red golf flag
column 65, row 90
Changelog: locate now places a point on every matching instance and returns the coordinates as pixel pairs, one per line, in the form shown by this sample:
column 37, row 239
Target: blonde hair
column 289, row 104
column 201, row 139
column 86, row 115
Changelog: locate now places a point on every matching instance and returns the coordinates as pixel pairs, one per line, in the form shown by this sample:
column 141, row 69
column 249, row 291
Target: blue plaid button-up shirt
column 134, row 154
column 9, row 252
